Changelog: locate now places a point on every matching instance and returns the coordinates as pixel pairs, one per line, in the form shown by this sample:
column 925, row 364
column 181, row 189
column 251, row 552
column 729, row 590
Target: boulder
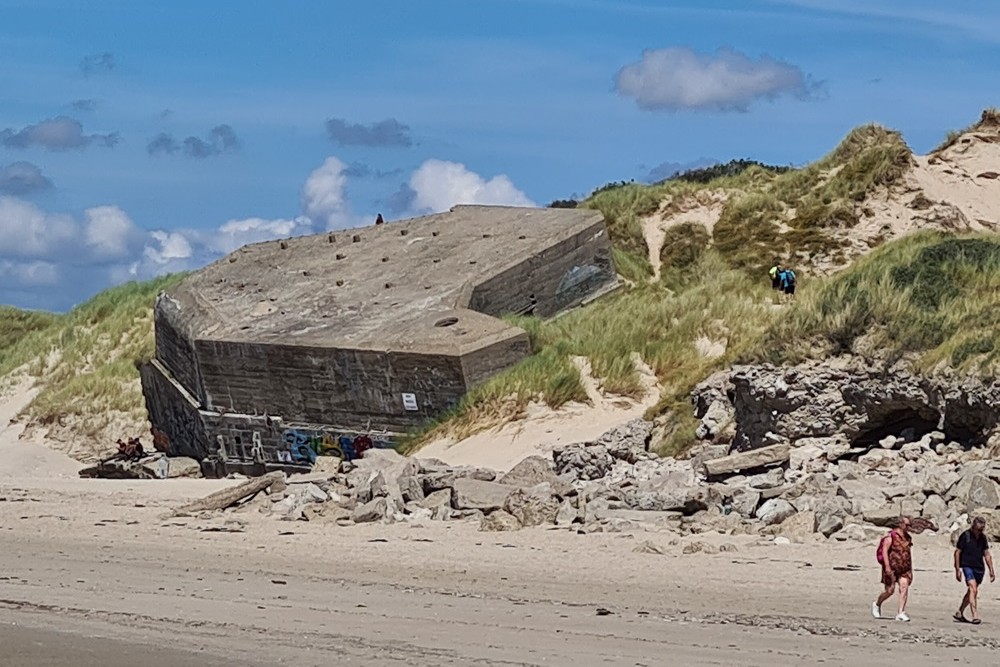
column 799, row 525
column 857, row 533
column 675, row 491
column 982, row 492
column 935, row 509
column 436, row 499
column 567, row 514
column 326, row 465
column 775, row 511
column 771, row 479
column 499, row 521
column 373, row 510
column 888, row 442
column 863, row 495
column 385, row 485
column 529, row 472
column 883, row 516
column 584, row 461
column 756, row 458
column 811, row 458
column 828, row 524
column 628, row 442
column 411, row 488
column 745, row 502
column 880, row 459
column 474, row 494
column 182, row 466
column 533, row 507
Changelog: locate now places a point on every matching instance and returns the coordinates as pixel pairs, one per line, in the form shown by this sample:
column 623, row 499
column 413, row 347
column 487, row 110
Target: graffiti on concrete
column 304, row 445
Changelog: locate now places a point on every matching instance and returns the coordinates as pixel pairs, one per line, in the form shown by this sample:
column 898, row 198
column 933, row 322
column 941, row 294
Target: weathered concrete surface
column 364, row 330
column 748, row 460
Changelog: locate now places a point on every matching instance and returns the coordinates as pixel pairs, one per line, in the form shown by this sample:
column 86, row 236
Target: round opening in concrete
column 446, row 322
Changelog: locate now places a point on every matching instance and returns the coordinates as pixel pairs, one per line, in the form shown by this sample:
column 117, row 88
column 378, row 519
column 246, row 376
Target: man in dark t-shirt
column 972, row 556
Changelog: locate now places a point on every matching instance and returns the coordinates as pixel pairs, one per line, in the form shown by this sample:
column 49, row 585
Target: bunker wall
column 178, row 428
column 557, row 278
column 174, row 350
column 352, row 388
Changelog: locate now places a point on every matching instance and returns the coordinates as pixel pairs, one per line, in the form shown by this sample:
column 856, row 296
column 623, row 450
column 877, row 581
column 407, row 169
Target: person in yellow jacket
column 775, row 273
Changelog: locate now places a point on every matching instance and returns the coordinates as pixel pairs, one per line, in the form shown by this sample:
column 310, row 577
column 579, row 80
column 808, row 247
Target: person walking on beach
column 894, row 554
column 972, row 552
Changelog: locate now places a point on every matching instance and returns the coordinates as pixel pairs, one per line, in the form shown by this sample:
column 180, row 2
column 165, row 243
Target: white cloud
column 237, row 233
column 167, row 248
column 678, row 78
column 27, row 231
column 438, row 185
column 109, row 232
column 29, row 274
column 323, row 195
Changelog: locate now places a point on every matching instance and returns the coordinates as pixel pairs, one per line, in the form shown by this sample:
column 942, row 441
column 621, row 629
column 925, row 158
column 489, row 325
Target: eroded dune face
column 954, row 188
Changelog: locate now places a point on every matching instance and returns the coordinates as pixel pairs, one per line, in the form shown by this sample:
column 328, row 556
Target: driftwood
column 220, row 500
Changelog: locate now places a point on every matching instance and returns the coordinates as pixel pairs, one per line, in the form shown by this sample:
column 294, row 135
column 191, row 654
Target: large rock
column 499, row 521
column 775, row 511
column 374, row 510
column 182, row 466
column 529, row 472
column 474, row 494
column 628, row 442
column 675, row 491
column 750, row 460
column 583, row 461
column 978, row 491
column 533, row 507
column 799, row 525
column 859, row 397
column 829, row 524
column 935, row 509
column 862, row 494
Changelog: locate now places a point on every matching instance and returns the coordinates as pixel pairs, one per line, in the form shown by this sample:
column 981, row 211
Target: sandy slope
column 20, row 458
column 102, row 577
column 544, row 429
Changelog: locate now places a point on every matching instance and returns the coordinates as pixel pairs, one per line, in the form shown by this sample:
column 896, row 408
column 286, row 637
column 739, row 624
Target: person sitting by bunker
column 787, row 281
column 775, row 273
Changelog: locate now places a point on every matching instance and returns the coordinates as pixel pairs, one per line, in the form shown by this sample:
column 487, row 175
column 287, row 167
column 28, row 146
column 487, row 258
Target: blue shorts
column 971, row 574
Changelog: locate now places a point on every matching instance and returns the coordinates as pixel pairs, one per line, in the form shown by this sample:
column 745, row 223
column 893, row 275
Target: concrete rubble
column 823, row 451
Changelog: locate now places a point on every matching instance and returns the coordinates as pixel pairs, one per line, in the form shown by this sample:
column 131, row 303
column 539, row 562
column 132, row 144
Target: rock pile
column 823, row 461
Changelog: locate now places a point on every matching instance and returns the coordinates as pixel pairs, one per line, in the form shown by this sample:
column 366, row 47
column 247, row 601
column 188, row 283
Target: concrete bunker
column 336, row 343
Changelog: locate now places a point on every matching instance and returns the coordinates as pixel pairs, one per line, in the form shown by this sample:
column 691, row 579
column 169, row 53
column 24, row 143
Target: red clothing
column 900, row 562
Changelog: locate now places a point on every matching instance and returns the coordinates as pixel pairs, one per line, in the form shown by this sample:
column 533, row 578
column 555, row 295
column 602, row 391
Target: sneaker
column 903, row 617
column 876, row 612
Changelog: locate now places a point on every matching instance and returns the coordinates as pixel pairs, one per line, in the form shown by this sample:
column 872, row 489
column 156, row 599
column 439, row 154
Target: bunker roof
column 401, row 286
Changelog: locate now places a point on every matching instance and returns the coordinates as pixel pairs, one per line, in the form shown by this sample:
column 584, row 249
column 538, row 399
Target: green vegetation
column 989, row 119
column 723, row 170
column 86, row 361
column 719, row 304
column 933, row 295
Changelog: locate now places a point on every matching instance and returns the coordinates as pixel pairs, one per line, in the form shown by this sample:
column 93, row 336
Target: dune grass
column 720, row 304
column 86, row 361
column 931, row 295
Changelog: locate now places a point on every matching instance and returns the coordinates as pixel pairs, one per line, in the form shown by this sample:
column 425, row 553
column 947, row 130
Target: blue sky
column 138, row 138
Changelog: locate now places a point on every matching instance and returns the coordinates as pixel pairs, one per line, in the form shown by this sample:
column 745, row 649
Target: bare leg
column 886, row 594
column 973, row 595
column 965, row 602
column 904, row 593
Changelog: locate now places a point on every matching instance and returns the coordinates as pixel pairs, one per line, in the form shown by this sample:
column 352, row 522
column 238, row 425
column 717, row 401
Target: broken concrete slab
column 474, row 494
column 755, row 458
